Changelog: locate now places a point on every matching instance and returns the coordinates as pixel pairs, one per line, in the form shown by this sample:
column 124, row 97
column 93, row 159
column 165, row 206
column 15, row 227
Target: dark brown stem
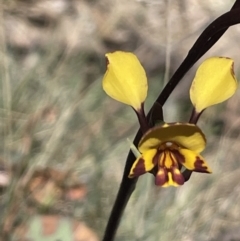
column 195, row 116
column 126, row 189
column 142, row 119
column 206, row 40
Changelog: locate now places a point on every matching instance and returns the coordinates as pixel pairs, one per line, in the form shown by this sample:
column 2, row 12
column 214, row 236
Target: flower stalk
column 195, row 116
column 142, row 119
column 206, row 40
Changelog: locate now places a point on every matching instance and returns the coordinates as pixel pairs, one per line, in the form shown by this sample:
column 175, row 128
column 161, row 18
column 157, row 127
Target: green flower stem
column 134, row 149
column 206, row 40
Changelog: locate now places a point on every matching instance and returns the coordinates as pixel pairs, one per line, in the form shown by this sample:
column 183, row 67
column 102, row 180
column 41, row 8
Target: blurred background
column 64, row 142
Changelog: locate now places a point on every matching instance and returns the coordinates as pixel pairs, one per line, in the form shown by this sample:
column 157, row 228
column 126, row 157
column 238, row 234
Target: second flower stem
column 142, row 119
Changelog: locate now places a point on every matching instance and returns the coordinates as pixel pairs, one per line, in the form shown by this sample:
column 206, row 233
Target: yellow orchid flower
column 214, row 83
column 165, row 149
column 125, row 79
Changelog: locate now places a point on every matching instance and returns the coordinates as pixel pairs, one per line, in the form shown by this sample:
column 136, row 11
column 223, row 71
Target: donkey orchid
column 166, row 149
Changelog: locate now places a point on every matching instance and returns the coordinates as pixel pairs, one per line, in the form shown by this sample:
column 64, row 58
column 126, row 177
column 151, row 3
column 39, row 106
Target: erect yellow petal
column 143, row 164
column 184, row 134
column 214, row 83
column 125, row 79
column 192, row 161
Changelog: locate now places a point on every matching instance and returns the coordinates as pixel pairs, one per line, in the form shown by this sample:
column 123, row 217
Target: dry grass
column 59, row 131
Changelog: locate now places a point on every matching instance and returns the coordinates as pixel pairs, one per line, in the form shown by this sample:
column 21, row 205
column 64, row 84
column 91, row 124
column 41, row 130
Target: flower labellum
column 214, row 83
column 125, row 79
